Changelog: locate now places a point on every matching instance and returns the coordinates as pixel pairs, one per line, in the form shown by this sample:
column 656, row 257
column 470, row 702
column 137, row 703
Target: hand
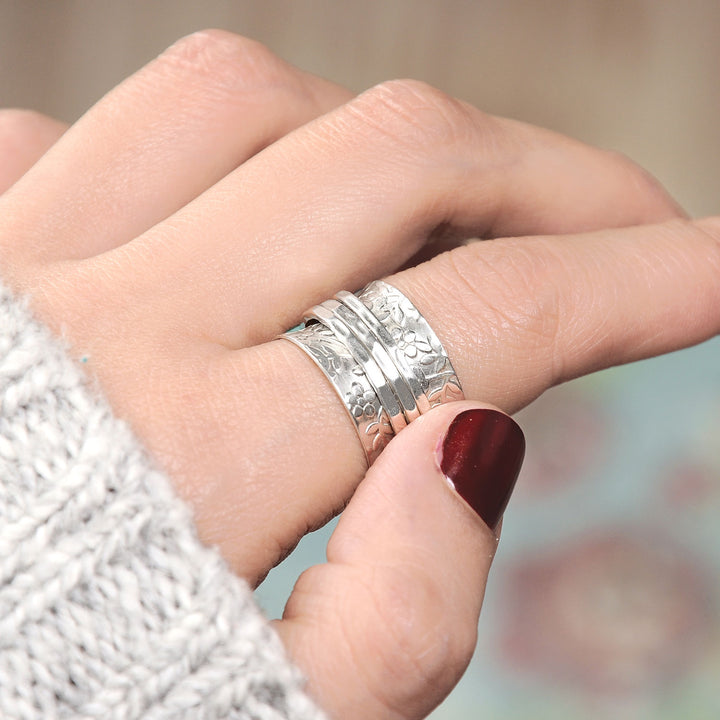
column 202, row 205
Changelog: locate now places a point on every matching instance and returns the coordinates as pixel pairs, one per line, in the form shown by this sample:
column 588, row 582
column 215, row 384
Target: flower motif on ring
column 411, row 343
column 449, row 391
column 333, row 362
column 362, row 401
column 380, row 433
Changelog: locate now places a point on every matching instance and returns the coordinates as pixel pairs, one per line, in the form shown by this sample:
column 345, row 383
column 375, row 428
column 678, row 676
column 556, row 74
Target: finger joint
column 227, row 61
column 415, row 115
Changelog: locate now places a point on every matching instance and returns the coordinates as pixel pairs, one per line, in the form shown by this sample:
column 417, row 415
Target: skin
column 201, row 206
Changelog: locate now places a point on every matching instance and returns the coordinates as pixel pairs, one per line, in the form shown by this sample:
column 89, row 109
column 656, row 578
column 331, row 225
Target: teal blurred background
column 604, row 600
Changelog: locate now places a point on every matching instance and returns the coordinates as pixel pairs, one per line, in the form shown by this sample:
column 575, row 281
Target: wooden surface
column 639, row 76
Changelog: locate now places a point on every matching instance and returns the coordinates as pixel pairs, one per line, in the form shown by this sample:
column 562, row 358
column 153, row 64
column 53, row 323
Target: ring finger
column 516, row 316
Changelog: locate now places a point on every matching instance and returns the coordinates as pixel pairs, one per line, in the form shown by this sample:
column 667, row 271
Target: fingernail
column 482, row 454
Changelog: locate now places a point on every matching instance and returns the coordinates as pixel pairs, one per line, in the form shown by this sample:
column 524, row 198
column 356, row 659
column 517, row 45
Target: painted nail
column 482, row 454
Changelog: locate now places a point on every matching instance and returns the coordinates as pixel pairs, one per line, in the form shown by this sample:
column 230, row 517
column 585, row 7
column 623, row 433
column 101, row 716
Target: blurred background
column 604, row 597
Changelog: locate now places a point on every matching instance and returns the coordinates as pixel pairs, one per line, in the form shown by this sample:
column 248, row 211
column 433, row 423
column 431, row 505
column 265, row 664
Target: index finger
column 522, row 314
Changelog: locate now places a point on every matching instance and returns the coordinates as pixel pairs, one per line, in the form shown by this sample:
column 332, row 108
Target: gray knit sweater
column 110, row 607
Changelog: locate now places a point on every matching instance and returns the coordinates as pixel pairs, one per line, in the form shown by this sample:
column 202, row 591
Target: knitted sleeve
column 110, row 607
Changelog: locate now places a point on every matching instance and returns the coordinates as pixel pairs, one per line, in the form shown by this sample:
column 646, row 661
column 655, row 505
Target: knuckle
column 655, row 203
column 226, row 60
column 415, row 114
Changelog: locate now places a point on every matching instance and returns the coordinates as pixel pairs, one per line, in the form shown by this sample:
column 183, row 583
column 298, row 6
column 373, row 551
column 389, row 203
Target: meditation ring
column 348, row 379
column 331, row 314
column 381, row 357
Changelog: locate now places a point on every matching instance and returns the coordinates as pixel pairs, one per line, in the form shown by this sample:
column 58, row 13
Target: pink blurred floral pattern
column 615, row 613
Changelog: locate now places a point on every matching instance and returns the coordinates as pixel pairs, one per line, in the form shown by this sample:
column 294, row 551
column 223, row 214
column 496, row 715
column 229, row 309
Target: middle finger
column 354, row 194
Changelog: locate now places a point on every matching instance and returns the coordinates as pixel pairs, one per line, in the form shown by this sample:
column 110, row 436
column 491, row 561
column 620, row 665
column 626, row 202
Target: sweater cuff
column 109, row 604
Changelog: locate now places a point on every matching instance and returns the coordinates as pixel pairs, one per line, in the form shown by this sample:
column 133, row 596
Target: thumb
column 388, row 625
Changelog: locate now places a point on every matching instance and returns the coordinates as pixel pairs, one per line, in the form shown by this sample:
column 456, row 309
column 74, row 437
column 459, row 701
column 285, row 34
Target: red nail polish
column 482, row 454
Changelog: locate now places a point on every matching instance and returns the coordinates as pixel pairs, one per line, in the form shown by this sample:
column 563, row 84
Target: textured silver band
column 419, row 402
column 382, row 358
column 381, row 355
column 350, row 383
column 415, row 339
column 327, row 314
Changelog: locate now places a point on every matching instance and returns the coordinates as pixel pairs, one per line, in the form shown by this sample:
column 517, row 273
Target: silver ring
column 382, row 358
column 414, row 337
column 350, row 383
column 326, row 313
column 382, row 335
column 381, row 355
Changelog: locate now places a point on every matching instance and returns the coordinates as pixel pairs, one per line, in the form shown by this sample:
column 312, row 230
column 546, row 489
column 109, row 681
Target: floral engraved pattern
column 361, row 401
column 413, row 336
column 414, row 345
column 350, row 383
column 447, row 393
column 380, row 433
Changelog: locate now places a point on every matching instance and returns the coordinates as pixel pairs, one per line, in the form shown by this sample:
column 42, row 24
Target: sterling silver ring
column 382, row 358
column 350, row 382
column 327, row 314
column 417, row 341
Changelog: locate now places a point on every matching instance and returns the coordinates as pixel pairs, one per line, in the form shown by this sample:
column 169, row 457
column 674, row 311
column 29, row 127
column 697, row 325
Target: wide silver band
column 379, row 337
column 328, row 314
column 350, row 383
column 416, row 340
column 382, row 358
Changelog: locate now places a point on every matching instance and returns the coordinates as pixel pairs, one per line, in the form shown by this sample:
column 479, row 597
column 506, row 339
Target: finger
column 515, row 316
column 159, row 139
column 25, row 136
column 387, row 627
column 377, row 177
column 521, row 315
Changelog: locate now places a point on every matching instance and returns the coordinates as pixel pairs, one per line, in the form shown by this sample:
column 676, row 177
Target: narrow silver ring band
column 382, row 358
column 327, row 315
column 380, row 332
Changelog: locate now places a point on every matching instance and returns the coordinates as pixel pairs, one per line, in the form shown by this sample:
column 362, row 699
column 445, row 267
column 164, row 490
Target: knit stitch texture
column 110, row 607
